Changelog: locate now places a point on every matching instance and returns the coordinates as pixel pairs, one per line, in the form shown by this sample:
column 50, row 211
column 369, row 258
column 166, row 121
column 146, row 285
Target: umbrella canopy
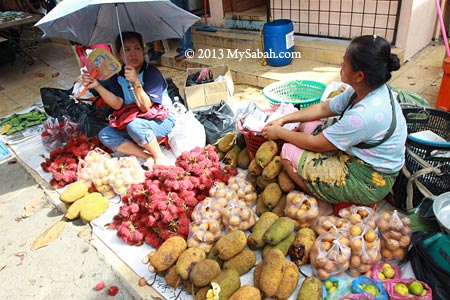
column 90, row 22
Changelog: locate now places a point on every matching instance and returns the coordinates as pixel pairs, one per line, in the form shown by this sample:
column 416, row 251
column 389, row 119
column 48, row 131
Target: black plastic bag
column 96, row 119
column 174, row 91
column 218, row 120
column 425, row 267
column 193, row 79
column 58, row 104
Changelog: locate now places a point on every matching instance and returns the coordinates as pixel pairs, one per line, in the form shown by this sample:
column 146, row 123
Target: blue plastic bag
column 364, row 280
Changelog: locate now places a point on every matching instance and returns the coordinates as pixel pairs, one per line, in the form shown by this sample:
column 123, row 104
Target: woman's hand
column 88, row 80
column 271, row 131
column 131, row 75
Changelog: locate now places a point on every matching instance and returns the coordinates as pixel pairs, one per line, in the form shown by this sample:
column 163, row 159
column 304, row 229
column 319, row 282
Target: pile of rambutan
column 161, row 207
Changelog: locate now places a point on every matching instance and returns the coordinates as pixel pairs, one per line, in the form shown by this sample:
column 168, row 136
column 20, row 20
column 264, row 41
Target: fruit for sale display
column 271, row 194
column 273, row 168
column 279, row 230
column 167, row 254
column 246, row 292
column 416, row 288
column 224, row 285
column 204, row 234
column 311, row 289
column 241, row 262
column 273, row 265
column 359, row 214
column 289, row 281
column 300, row 250
column 93, row 207
column 302, row 208
column 255, row 239
column 230, row 159
column 244, row 190
column 365, row 249
column 330, row 255
column 395, row 234
column 74, row 191
column 231, row 244
column 284, row 245
column 331, row 224
column 266, row 152
column 237, row 215
column 187, row 259
column 243, row 159
column 254, row 168
column 285, row 182
column 226, row 142
column 401, row 289
column 172, row 278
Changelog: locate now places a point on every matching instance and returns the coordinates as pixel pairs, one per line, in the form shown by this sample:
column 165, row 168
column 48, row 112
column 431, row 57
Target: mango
column 266, row 152
column 279, row 230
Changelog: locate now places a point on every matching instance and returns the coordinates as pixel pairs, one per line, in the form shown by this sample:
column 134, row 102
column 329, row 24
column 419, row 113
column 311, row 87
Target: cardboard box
column 208, row 94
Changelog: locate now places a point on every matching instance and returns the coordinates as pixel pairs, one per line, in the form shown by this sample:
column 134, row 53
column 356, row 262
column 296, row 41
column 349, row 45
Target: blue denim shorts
column 141, row 131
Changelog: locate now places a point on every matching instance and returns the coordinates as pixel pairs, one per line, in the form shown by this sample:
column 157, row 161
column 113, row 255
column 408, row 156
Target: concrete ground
column 71, row 266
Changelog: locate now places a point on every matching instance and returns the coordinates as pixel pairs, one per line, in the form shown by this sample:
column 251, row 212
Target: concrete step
column 317, row 59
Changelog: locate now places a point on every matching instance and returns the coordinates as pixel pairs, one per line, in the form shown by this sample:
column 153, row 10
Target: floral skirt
column 338, row 177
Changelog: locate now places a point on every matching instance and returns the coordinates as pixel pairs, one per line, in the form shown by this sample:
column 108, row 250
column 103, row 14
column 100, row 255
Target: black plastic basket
column 420, row 119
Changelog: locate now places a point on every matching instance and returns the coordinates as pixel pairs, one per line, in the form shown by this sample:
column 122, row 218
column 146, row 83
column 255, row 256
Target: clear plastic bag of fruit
column 131, row 163
column 101, row 170
column 223, row 192
column 385, row 271
column 204, row 234
column 408, row 289
column 209, row 208
column 367, row 285
column 357, row 214
column 237, row 215
column 71, row 128
column 334, row 288
column 395, row 232
column 330, row 255
column 302, row 208
column 243, row 188
column 52, row 137
column 331, row 224
column 365, row 245
column 96, row 155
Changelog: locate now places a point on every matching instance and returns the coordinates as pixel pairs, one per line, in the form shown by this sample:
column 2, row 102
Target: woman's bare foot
column 162, row 160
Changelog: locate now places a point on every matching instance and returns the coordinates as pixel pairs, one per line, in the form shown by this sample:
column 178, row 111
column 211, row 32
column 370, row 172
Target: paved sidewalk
column 68, row 268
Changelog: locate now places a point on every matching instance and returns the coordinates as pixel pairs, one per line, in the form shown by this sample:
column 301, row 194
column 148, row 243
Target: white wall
column 416, row 25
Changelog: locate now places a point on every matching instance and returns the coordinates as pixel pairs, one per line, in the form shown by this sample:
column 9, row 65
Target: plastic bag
column 187, row 133
column 209, row 209
column 302, row 208
column 361, row 285
column 330, row 255
column 52, row 136
column 365, row 245
column 237, row 215
column 57, row 104
column 203, row 234
column 127, row 171
column 395, row 230
column 217, row 120
column 335, row 287
column 243, row 188
column 357, row 214
column 394, row 295
column 426, row 268
column 331, row 224
column 379, row 273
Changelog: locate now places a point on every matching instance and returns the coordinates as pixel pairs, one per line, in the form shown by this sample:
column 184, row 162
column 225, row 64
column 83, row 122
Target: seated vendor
column 357, row 159
column 140, row 83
